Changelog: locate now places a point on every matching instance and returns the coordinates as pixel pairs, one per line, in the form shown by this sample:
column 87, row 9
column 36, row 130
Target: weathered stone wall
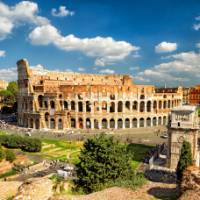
column 55, row 100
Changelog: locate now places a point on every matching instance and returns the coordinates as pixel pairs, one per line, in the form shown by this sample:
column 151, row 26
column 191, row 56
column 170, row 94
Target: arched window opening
column 65, row 105
column 149, row 106
column 88, row 123
column 52, row 104
column 73, row 123
column 80, row 123
column 142, row 106
column 141, row 122
column 119, row 123
column 128, row 105
column 134, row 123
column 80, row 106
column 127, row 123
column 148, row 122
column 120, row 106
column 104, row 124
column 60, row 124
column 73, row 105
column 40, row 100
column 112, row 123
column 112, row 107
column 88, row 106
column 135, row 105
column 52, row 123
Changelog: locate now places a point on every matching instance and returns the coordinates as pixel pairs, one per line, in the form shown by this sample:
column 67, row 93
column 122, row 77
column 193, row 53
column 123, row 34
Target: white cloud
column 61, row 12
column 164, row 47
column 81, row 69
column 106, row 71
column 2, row 53
column 196, row 26
column 105, row 50
column 8, row 74
column 182, row 70
column 22, row 13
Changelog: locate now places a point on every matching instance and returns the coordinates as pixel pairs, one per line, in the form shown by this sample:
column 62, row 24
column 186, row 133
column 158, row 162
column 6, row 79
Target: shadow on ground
column 164, row 193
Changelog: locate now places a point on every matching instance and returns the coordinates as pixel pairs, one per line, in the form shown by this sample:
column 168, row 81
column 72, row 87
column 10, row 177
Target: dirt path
column 149, row 191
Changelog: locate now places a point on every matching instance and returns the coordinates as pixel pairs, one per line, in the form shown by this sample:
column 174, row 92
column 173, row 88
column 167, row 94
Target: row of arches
column 104, row 106
column 118, row 123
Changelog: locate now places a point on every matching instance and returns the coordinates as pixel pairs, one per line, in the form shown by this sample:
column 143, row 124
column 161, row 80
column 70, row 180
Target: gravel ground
column 149, row 191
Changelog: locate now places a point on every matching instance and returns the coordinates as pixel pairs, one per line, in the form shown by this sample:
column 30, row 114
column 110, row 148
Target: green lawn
column 60, row 150
column 138, row 151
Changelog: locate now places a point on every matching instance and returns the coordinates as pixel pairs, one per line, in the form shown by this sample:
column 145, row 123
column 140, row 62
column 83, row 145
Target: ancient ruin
column 184, row 126
column 61, row 100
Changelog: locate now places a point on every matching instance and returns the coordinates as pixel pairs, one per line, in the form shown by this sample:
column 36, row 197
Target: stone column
column 115, row 123
column 138, row 106
column 92, row 123
column 138, row 123
column 116, row 106
column 108, row 107
column 100, row 124
column 123, row 123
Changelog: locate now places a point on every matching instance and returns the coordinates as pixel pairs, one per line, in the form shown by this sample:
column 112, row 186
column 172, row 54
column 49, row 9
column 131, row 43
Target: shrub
column 32, row 145
column 185, row 159
column 10, row 155
column 16, row 141
column 103, row 161
column 2, row 154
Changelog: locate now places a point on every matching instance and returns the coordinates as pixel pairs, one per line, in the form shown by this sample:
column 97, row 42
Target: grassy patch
column 9, row 173
column 60, row 150
column 138, row 152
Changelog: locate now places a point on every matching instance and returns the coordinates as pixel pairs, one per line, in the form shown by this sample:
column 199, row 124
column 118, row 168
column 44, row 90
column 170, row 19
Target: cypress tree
column 185, row 159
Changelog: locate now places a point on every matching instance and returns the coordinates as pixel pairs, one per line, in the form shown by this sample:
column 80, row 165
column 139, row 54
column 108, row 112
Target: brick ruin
column 62, row 100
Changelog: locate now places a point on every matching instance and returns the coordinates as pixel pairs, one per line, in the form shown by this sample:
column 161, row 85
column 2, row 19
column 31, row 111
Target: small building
column 184, row 126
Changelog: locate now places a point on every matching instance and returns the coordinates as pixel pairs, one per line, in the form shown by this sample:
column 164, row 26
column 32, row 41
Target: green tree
column 102, row 160
column 13, row 88
column 185, row 159
column 7, row 97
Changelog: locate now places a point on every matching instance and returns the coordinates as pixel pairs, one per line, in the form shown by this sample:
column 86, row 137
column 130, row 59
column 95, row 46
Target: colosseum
column 63, row 100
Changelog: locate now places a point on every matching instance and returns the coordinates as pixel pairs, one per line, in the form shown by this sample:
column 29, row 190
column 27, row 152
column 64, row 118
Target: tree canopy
column 102, row 160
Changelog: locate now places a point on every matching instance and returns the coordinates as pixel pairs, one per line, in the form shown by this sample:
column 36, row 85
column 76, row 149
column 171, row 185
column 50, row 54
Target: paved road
column 139, row 135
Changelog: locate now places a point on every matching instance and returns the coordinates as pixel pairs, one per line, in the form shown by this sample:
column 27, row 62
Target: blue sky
column 155, row 41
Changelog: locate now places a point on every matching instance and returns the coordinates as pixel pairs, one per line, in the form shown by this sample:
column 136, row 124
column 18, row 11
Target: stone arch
column 149, row 106
column 142, row 96
column 142, row 106
column 46, row 104
column 135, row 106
column 159, row 120
column 80, row 123
column 104, row 123
column 154, row 121
column 66, row 107
column 60, row 124
column 127, row 123
column 31, row 122
column 164, row 105
column 52, row 104
column 112, row 123
column 52, row 123
column 80, row 106
column 88, row 123
column 73, row 123
column 112, row 107
column 96, row 124
column 119, row 123
column 169, row 104
column 88, row 106
column 46, row 117
column 148, row 122
column 154, row 105
column 164, row 120
column 128, row 105
column 37, row 124
column 73, row 105
column 120, row 106
column 40, row 101
column 141, row 122
column 134, row 123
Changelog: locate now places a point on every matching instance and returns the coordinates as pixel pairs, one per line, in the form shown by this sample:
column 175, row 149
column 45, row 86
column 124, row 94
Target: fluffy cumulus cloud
column 164, row 47
column 22, row 12
column 105, row 50
column 182, row 69
column 61, row 12
column 2, row 53
column 106, row 71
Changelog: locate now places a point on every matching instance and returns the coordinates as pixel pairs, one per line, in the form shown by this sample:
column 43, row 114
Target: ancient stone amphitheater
column 61, row 100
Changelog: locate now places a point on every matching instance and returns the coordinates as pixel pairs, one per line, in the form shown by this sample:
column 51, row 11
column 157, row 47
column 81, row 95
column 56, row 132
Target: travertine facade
column 61, row 100
column 184, row 126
